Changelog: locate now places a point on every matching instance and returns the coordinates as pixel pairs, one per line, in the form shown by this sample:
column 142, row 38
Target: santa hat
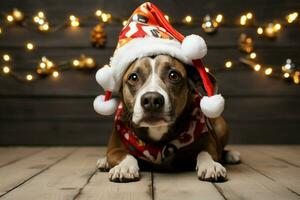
column 149, row 33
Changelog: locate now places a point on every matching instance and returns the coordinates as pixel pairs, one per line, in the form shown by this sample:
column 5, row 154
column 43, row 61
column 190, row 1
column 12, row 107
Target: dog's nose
column 152, row 101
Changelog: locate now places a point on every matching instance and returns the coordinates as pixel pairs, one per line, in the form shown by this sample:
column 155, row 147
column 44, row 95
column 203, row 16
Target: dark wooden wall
column 60, row 112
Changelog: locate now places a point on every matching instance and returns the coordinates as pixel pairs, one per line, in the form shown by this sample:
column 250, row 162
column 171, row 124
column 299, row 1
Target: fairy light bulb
column 257, row 67
column 10, row 18
column 74, row 21
column 290, row 18
column 6, row 57
column 29, row 46
column 296, row 77
column 219, row 18
column 75, row 62
column 188, row 19
column 6, row 69
column 1, row 31
column 55, row 74
column 252, row 55
column 286, row 75
column 228, row 64
column 249, row 15
column 277, row 27
column 104, row 17
column 17, row 15
column 98, row 13
column 260, row 30
column 124, row 23
column 41, row 14
column 268, row 71
column 243, row 20
column 29, row 77
column 206, row 69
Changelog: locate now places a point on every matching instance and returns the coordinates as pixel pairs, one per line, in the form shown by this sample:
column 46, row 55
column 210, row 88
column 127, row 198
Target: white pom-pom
column 105, row 107
column 105, row 78
column 213, row 106
column 194, row 47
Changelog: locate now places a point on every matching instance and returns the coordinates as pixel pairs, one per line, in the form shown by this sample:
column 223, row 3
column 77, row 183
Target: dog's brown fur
column 213, row 143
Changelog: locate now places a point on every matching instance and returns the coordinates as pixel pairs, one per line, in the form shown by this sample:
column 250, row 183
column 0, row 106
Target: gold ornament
column 245, row 43
column 45, row 67
column 98, row 36
column 209, row 25
column 84, row 62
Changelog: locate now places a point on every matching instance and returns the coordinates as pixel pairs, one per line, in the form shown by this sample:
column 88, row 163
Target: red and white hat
column 149, row 33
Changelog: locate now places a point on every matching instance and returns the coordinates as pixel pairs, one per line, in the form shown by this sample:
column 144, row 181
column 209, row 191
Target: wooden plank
column 63, row 180
column 251, row 108
column 100, row 187
column 9, row 155
column 226, row 37
column 95, row 132
column 246, row 183
column 230, row 9
column 59, row 132
column 19, row 172
column 249, row 82
column 289, row 154
column 280, row 172
column 216, row 57
column 183, row 185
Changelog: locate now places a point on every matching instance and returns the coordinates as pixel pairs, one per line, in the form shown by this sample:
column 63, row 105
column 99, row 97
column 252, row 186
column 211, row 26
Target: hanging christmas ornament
column 45, row 67
column 84, row 62
column 98, row 36
column 209, row 25
column 245, row 43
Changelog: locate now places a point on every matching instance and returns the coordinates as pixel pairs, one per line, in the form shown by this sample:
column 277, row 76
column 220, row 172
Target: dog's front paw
column 209, row 170
column 126, row 171
column 102, row 164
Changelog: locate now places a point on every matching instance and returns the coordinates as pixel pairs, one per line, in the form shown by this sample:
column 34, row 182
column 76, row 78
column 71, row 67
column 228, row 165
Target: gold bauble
column 98, row 36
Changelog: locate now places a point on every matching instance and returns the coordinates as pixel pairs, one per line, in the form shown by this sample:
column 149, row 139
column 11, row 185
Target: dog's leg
column 232, row 157
column 124, row 167
column 209, row 170
column 102, row 164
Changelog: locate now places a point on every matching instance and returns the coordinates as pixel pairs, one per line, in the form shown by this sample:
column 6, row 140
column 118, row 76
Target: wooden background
column 60, row 112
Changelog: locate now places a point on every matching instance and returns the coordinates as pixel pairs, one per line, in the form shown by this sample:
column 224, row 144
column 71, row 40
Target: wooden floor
column 267, row 172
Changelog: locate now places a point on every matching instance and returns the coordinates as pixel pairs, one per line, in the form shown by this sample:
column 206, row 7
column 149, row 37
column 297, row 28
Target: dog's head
column 155, row 91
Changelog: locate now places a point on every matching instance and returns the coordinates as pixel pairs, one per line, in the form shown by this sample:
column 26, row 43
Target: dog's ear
column 195, row 81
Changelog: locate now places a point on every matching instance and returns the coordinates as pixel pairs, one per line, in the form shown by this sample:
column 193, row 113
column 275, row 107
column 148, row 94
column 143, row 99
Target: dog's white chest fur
column 156, row 133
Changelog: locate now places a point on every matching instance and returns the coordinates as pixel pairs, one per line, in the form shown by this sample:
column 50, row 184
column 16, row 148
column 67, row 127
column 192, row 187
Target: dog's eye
column 174, row 76
column 133, row 78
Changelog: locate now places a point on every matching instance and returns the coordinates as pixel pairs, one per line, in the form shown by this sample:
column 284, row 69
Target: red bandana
column 192, row 130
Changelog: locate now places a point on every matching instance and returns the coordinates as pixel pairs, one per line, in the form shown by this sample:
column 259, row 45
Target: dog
column 156, row 96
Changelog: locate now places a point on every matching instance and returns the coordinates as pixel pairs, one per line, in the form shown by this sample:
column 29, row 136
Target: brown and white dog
column 156, row 93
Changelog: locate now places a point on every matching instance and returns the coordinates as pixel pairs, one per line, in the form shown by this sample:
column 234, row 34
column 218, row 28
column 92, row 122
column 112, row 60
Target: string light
column 260, row 30
column 55, row 74
column 206, row 69
column 268, row 71
column 249, row 15
column 257, row 67
column 6, row 69
column 29, row 77
column 0, row 30
column 243, row 20
column 252, row 55
column 9, row 18
column 188, row 19
column 209, row 25
column 17, row 15
column 296, row 77
column 98, row 13
column 75, row 63
column 29, row 46
column 41, row 20
column 124, row 23
column 286, row 75
column 228, row 64
column 219, row 18
column 290, row 18
column 6, row 57
column 74, row 21
column 106, row 17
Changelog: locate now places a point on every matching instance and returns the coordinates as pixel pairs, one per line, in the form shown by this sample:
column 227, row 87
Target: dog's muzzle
column 152, row 102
